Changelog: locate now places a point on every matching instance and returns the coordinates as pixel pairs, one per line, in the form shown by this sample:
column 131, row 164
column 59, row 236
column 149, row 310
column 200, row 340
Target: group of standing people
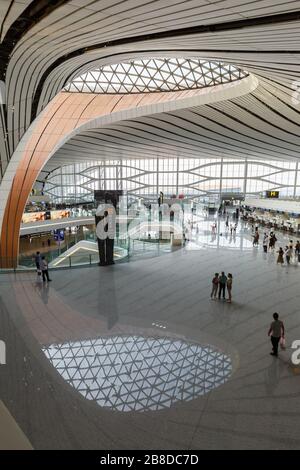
column 42, row 267
column 231, row 227
column 219, row 285
column 289, row 253
column 269, row 241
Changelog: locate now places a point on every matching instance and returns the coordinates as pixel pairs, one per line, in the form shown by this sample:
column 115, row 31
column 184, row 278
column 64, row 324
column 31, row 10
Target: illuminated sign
column 29, row 217
column 272, row 194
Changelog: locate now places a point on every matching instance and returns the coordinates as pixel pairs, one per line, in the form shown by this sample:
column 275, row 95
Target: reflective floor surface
column 138, row 373
column 136, row 355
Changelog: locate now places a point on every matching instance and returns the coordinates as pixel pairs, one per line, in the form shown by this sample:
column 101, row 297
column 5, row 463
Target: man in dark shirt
column 38, row 260
column 276, row 331
column 222, row 285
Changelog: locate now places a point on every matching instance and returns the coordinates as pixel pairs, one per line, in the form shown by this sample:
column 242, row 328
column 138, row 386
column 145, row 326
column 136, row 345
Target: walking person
column 291, row 248
column 229, row 286
column 280, row 256
column 297, row 251
column 38, row 263
column 265, row 243
column 288, row 253
column 276, row 332
column 274, row 240
column 215, row 284
column 222, row 285
column 44, row 266
column 271, row 241
column 255, row 238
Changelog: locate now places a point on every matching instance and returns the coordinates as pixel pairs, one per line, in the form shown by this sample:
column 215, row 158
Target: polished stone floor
column 158, row 312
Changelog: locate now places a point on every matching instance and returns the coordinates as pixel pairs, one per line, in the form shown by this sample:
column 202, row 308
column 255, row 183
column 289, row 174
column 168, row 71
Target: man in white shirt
column 44, row 267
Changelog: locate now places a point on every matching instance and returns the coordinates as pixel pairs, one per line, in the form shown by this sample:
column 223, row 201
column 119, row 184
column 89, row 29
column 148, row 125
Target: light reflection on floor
column 200, row 235
column 135, row 373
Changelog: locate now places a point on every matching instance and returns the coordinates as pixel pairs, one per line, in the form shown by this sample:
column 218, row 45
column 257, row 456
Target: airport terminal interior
column 150, row 224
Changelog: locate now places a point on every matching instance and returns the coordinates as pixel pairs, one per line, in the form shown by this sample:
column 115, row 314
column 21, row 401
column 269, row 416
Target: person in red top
column 215, row 283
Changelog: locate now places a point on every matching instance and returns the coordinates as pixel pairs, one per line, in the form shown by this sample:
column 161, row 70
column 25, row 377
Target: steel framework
column 155, row 75
column 192, row 177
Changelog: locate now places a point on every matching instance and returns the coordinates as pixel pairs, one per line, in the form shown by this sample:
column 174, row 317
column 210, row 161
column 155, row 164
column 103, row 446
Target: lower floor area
column 138, row 356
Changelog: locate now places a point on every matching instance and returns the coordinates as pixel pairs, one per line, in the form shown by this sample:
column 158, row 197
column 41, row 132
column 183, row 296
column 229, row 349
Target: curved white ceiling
column 262, row 37
column 134, row 115
column 259, row 125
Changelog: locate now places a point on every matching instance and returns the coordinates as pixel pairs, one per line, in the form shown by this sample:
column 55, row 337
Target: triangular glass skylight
column 155, row 75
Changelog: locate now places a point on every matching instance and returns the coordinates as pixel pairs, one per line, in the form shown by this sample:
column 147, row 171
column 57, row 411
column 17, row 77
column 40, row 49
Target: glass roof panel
column 155, row 75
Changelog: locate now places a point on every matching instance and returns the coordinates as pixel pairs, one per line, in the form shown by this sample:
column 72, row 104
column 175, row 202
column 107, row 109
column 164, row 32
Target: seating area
column 273, row 220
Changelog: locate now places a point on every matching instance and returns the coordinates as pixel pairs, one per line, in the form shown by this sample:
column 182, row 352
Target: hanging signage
column 272, row 194
column 59, row 235
column 30, row 217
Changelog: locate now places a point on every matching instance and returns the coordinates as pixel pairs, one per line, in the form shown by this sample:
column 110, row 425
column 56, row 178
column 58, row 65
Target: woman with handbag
column 229, row 286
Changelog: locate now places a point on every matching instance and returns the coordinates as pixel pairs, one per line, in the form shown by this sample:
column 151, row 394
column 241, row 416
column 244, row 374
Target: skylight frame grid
column 157, row 75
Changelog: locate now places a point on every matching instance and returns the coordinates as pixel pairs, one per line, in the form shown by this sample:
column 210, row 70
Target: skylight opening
column 155, row 75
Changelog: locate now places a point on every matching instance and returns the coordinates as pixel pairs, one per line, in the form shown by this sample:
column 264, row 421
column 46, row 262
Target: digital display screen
column 29, row 217
column 59, row 235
